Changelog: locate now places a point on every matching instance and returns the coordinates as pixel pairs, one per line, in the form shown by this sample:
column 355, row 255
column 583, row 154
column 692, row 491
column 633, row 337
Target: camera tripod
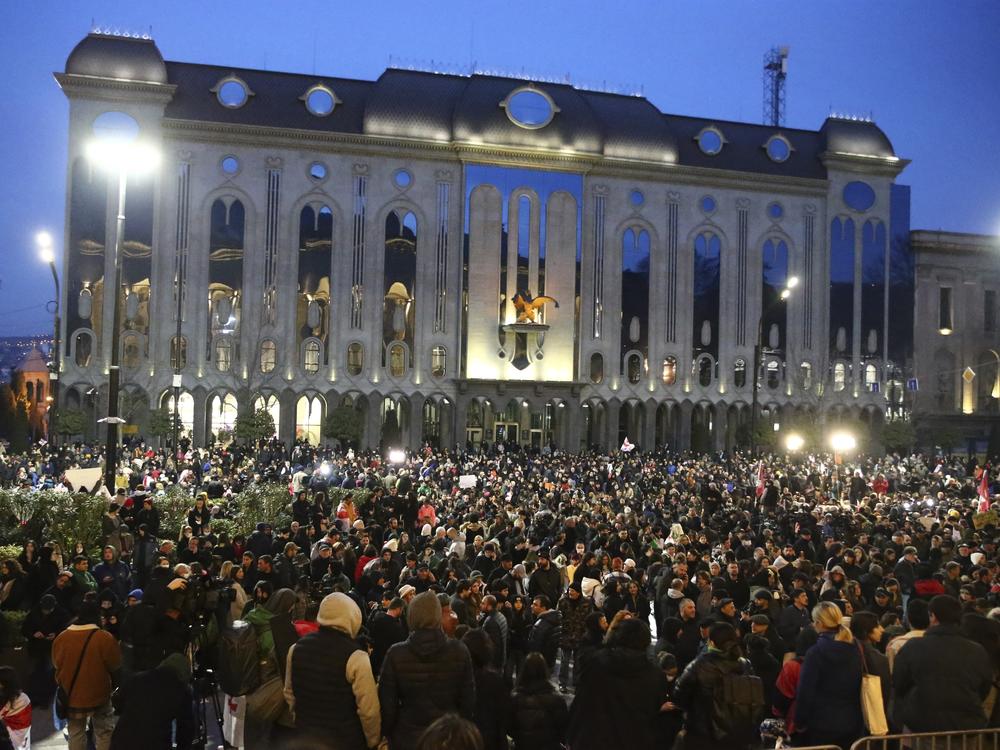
column 206, row 689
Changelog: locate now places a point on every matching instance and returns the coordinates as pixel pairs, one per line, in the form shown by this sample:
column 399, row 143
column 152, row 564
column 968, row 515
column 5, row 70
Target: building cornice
column 922, row 240
column 114, row 89
column 467, row 153
column 887, row 166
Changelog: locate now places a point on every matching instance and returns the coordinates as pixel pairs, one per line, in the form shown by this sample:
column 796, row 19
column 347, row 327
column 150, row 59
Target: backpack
column 737, row 707
column 238, row 662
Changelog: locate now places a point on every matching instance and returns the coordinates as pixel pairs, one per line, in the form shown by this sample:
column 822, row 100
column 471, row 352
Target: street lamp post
column 175, row 427
column 758, row 351
column 45, row 251
column 120, row 157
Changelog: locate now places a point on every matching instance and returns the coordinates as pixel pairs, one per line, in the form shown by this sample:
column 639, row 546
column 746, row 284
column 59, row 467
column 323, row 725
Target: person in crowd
column 155, row 708
column 620, row 693
column 491, row 712
column 918, row 618
column 15, row 711
column 329, row 685
column 424, row 677
column 573, row 612
column 539, row 716
column 494, row 624
column 450, row 732
column 941, row 680
column 545, row 634
column 867, row 631
column 385, row 630
column 828, row 698
column 786, row 686
column 85, row 658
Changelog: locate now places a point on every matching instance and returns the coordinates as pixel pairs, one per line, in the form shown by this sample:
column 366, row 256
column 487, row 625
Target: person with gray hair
column 424, row 677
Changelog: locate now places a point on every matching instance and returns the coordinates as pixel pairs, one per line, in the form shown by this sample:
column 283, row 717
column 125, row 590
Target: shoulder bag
column 62, row 696
column 872, row 707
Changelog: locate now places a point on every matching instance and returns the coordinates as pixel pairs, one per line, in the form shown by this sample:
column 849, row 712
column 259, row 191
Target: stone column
column 685, row 432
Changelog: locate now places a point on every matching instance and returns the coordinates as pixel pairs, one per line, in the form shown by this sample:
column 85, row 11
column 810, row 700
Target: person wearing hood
column 112, row 573
column 272, row 621
column 620, row 693
column 424, row 677
column 828, row 698
column 329, row 684
column 154, row 705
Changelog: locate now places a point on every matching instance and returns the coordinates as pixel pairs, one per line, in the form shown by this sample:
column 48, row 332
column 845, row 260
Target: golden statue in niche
column 527, row 307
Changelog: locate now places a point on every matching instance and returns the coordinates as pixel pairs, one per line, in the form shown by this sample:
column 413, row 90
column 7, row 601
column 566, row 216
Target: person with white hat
column 329, row 684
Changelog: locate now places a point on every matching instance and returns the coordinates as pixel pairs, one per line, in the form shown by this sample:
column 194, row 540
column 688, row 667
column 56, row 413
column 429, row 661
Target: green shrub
column 12, row 636
column 9, row 550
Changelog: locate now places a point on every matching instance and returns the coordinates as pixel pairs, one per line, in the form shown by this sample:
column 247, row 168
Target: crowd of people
column 500, row 597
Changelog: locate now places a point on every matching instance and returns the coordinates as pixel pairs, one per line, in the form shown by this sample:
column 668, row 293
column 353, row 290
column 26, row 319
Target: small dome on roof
column 120, row 57
column 856, row 137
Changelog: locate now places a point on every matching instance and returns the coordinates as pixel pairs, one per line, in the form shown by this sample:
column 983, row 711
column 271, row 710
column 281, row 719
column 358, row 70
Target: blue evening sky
column 927, row 71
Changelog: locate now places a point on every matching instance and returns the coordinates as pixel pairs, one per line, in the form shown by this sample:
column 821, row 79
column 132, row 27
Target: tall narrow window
column 355, row 359
column 268, row 356
column 85, row 261
column 839, row 376
column 707, row 257
column 669, row 374
column 873, row 287
column 178, row 352
column 225, row 270
column 84, row 346
column 740, row 373
column 310, row 356
column 314, row 258
column 223, row 354
column 400, row 274
column 989, row 311
column 946, row 316
column 308, row 419
column 774, row 276
column 841, row 285
column 397, row 360
column 439, row 361
column 635, row 300
column 596, row 368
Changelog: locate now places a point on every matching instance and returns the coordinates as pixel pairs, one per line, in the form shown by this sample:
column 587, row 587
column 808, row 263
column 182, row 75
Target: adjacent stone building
column 312, row 241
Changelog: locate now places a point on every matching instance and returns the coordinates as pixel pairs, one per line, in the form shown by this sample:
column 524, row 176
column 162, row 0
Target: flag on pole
column 984, row 490
column 761, row 478
column 627, row 446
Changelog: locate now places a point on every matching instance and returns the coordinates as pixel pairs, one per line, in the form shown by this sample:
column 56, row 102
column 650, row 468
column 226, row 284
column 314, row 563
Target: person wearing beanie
column 98, row 656
column 329, row 683
column 424, row 677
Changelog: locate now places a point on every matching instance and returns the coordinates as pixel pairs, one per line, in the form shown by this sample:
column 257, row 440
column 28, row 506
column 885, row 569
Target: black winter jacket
column 940, row 682
column 695, row 693
column 423, row 678
column 538, row 718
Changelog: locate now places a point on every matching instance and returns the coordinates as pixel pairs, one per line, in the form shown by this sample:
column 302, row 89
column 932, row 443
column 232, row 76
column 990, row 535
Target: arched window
column 707, row 260
column 269, row 403
column 223, row 354
column 596, row 368
column 186, row 411
column 268, row 356
column 704, row 365
column 178, row 353
column 805, row 376
column 83, row 347
column 774, row 277
column 222, row 412
column 29, row 388
column 399, row 294
column 740, row 373
column 310, row 356
column 839, row 376
column 308, row 419
column 314, row 261
column 669, row 373
column 355, row 359
column 634, row 367
column 439, row 361
column 772, row 374
column 130, row 351
column 841, row 284
column 635, row 300
column 225, row 266
column 871, row 376
column 397, row 360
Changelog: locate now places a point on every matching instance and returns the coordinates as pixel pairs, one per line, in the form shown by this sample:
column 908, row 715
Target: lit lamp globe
column 794, row 443
column 842, row 442
column 397, row 456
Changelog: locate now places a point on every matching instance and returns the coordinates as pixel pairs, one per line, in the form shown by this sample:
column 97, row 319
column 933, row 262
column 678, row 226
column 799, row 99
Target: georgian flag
column 627, row 446
column 984, row 490
column 761, row 478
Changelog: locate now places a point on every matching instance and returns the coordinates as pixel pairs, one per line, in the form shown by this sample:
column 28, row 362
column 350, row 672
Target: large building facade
column 312, row 242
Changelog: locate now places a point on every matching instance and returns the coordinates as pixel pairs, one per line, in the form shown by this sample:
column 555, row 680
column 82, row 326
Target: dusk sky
column 926, row 71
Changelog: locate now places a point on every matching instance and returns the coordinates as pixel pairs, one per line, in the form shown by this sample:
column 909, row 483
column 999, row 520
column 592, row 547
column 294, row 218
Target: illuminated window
column 268, row 356
column 397, row 360
column 704, row 368
column 310, row 357
column 308, row 419
column 669, row 374
column 439, row 361
column 223, row 354
column 130, row 351
column 355, row 359
column 946, row 318
column 178, row 352
column 740, row 373
column 871, row 376
column 839, row 376
column 773, row 375
column 633, row 368
column 805, row 376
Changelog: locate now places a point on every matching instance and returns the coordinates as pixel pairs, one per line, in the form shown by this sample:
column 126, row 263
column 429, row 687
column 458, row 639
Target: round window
column 116, row 126
column 859, row 195
column 230, row 165
column 232, row 93
column 708, row 204
column 778, row 149
column 320, row 101
column 530, row 108
column 317, row 171
column 402, row 178
column 636, row 198
column 710, row 141
column 775, row 211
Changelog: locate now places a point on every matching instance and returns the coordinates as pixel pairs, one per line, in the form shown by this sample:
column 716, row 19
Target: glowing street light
column 397, row 456
column 843, row 442
column 48, row 256
column 794, row 442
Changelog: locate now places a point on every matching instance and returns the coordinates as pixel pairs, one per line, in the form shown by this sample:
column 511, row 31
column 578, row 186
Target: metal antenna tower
column 775, row 72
